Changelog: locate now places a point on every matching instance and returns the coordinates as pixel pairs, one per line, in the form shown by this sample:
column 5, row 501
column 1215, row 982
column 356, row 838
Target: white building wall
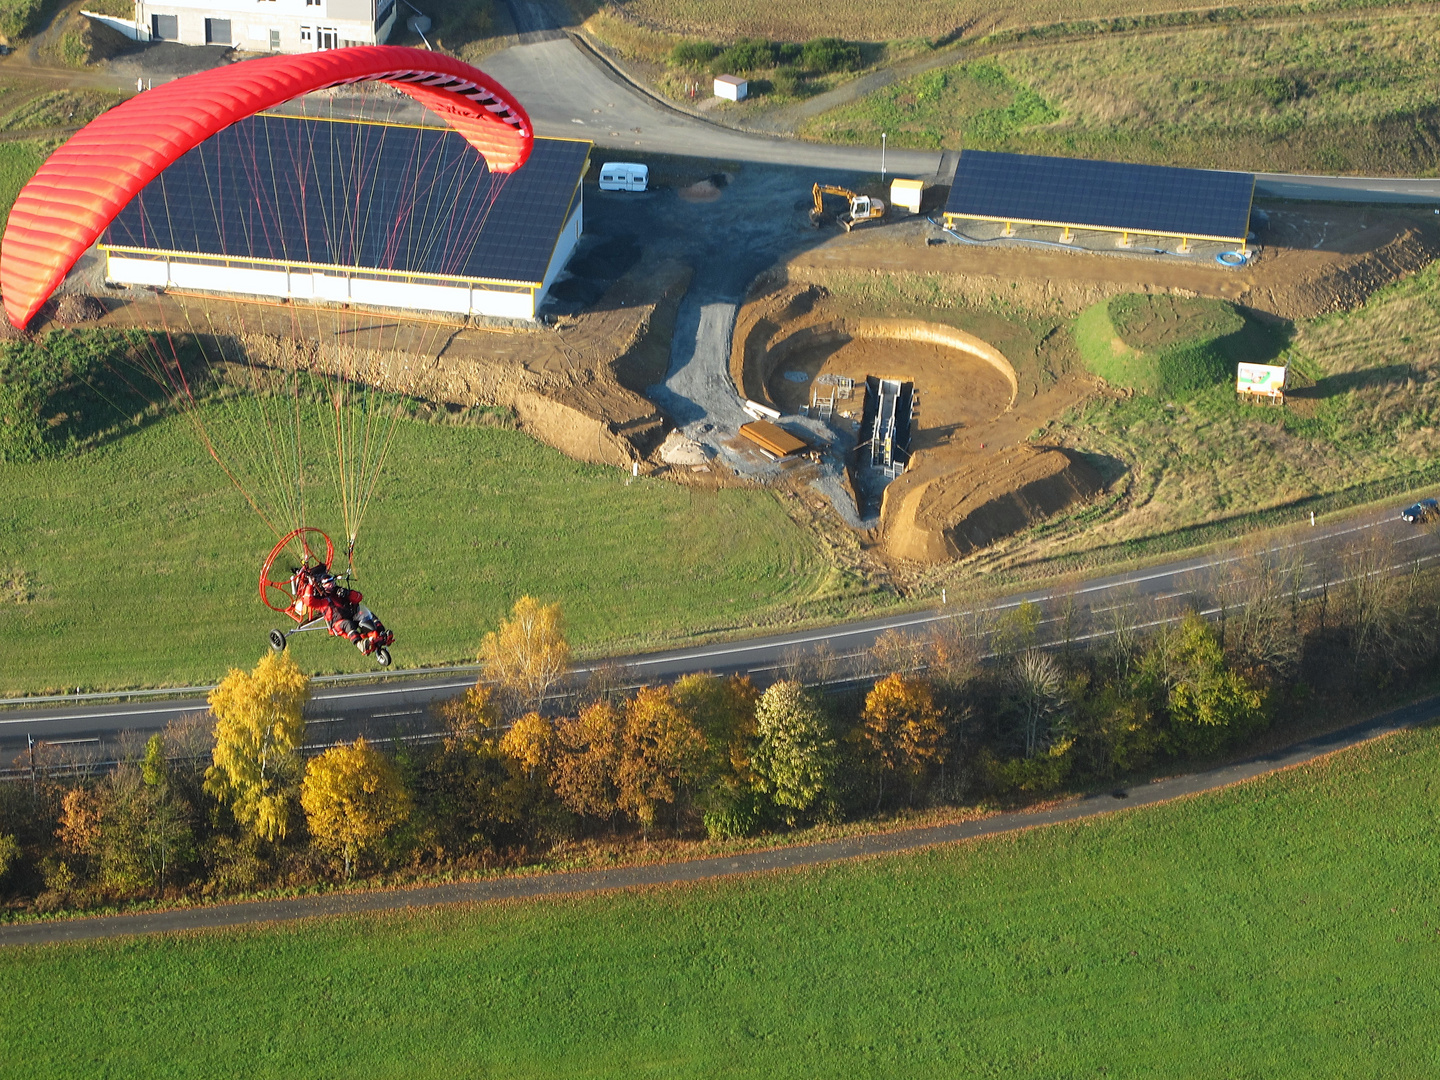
column 564, row 248
column 317, row 285
column 251, row 23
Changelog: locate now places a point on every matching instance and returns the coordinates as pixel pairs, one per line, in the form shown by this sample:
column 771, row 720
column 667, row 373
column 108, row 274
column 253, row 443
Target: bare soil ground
column 970, row 477
column 1314, row 258
column 976, row 475
column 573, row 385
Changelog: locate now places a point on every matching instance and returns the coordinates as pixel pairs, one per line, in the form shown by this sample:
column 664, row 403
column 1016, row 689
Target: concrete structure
column 731, row 87
column 445, row 240
column 288, row 26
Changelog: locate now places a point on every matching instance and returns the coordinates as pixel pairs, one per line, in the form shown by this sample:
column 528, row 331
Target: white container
column 906, row 194
column 624, row 176
column 731, row 87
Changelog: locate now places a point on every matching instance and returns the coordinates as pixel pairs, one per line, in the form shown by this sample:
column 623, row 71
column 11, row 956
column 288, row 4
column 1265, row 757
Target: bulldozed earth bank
column 575, row 385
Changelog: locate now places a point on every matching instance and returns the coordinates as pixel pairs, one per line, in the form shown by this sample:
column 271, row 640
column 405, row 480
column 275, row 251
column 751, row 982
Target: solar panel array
column 375, row 196
column 1101, row 194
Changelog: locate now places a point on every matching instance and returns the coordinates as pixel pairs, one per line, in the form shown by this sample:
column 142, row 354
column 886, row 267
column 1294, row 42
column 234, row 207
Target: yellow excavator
column 861, row 207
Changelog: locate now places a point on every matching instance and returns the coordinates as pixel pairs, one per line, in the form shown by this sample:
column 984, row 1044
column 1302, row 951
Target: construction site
column 902, row 368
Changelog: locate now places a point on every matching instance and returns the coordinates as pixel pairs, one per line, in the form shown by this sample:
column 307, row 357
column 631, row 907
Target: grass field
column 18, row 162
column 801, row 20
column 1368, row 416
column 1169, row 345
column 1333, row 95
column 136, row 563
column 1284, row 928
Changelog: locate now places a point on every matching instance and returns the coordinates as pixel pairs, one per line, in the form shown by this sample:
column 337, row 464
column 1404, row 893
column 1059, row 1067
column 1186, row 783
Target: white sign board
column 1259, row 379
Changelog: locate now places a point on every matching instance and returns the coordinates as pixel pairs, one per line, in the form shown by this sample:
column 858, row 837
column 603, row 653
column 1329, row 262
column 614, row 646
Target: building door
column 217, row 31
column 329, row 37
column 165, row 27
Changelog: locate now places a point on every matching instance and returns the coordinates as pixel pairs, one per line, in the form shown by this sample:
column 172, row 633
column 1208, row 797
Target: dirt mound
column 678, row 450
column 950, row 515
column 76, row 308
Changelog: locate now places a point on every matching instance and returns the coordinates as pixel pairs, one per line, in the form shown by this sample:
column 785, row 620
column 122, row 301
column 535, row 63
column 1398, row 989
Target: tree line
column 524, row 764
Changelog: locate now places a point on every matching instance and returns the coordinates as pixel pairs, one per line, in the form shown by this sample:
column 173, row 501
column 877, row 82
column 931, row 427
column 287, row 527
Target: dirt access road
column 258, row 912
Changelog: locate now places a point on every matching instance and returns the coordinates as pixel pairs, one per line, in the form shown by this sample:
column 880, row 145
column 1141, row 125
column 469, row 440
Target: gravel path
column 787, row 858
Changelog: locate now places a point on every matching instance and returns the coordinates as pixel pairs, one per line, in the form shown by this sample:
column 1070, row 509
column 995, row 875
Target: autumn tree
column 166, row 827
column 724, row 711
column 795, row 756
column 529, row 653
column 471, row 793
column 353, row 797
column 474, row 714
column 1209, row 704
column 902, row 728
column 587, row 762
column 530, row 743
column 259, row 726
column 662, row 752
column 1259, row 608
column 9, row 853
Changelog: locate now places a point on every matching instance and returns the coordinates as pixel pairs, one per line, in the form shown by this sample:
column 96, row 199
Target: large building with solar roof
column 373, row 214
column 1072, row 194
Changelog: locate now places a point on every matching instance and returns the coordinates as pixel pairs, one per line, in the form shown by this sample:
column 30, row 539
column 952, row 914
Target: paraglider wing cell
column 90, row 179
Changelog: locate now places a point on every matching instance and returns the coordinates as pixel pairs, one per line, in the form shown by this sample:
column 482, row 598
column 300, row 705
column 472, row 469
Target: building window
column 274, row 40
column 307, row 37
column 165, row 27
column 329, row 37
column 217, row 31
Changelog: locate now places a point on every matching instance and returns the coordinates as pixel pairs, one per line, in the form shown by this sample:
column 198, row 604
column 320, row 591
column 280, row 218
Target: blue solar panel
column 1101, row 194
column 379, row 196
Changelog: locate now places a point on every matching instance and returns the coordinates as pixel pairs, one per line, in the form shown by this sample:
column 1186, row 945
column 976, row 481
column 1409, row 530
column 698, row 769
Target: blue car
column 1424, row 510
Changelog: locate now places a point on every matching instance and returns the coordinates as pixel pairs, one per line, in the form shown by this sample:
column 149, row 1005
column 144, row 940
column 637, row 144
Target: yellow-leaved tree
column 353, row 796
column 529, row 654
column 258, row 728
column 530, row 742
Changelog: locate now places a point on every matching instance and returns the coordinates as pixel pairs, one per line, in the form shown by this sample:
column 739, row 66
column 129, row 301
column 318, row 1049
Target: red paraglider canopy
column 85, row 183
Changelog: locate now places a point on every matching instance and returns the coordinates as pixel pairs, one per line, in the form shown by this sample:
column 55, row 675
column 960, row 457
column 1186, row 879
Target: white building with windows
column 277, row 26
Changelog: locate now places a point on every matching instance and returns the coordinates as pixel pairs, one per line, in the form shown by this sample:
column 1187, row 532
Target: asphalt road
column 401, row 705
column 250, row 913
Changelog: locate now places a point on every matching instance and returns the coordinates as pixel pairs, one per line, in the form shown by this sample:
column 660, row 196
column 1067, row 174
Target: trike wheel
column 277, row 640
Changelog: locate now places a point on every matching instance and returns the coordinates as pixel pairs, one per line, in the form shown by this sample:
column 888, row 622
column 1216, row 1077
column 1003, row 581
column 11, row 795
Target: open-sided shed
column 1107, row 196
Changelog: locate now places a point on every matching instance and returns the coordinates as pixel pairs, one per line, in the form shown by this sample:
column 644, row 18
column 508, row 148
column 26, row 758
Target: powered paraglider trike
column 296, row 579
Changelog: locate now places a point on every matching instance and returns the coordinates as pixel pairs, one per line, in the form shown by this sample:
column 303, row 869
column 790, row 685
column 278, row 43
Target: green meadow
column 1283, row 928
column 136, row 561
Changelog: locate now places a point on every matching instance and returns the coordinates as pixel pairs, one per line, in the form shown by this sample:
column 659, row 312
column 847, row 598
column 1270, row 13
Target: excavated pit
column 792, row 347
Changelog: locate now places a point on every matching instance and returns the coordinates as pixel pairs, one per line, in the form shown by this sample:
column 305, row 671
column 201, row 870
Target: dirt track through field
column 256, row 912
